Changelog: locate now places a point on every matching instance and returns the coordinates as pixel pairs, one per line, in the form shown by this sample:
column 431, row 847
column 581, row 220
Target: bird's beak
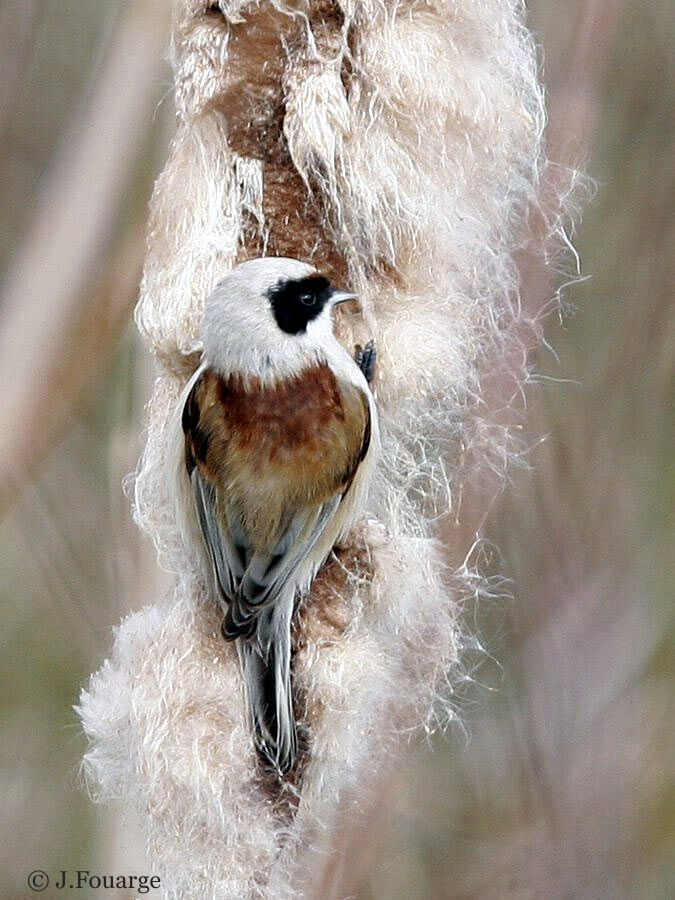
column 342, row 297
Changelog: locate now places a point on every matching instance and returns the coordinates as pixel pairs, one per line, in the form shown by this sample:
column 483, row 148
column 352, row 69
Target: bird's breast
column 287, row 444
column 288, row 420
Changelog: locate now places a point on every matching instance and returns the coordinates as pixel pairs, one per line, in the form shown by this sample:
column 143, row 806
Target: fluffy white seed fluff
column 412, row 132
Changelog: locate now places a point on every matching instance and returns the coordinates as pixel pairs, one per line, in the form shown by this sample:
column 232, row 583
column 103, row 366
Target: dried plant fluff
column 396, row 145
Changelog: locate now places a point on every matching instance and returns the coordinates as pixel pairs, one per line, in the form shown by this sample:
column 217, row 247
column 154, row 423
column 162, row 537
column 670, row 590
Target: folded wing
column 269, row 469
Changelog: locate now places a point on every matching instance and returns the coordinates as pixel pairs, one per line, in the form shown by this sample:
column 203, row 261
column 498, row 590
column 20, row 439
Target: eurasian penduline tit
column 279, row 440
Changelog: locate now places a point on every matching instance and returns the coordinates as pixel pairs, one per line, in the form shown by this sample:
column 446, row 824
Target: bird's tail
column 266, row 667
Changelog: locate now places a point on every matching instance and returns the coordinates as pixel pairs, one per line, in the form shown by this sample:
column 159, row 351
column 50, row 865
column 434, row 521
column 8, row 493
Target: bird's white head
column 269, row 318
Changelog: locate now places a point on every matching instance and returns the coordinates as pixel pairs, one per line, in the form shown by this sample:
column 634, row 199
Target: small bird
column 279, row 440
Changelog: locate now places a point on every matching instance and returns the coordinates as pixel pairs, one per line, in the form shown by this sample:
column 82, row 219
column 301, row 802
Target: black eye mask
column 296, row 303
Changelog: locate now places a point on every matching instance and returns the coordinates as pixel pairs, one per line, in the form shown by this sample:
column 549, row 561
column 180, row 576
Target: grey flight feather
column 258, row 590
column 249, row 579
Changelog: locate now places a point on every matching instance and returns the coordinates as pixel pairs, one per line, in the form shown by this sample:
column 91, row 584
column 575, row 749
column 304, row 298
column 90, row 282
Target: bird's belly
column 298, row 469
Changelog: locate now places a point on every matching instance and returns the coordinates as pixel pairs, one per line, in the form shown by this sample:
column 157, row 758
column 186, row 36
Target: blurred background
column 557, row 780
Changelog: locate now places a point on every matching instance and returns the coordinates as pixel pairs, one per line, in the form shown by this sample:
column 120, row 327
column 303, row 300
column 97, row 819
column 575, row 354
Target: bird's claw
column 365, row 358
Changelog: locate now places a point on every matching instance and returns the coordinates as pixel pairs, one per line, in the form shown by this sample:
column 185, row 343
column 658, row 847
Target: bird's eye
column 306, row 299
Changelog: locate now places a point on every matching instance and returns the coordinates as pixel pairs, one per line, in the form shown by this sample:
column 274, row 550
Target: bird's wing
column 270, row 572
column 251, row 573
column 227, row 558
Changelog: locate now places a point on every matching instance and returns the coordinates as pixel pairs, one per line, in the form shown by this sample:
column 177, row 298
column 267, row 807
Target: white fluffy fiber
column 423, row 155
